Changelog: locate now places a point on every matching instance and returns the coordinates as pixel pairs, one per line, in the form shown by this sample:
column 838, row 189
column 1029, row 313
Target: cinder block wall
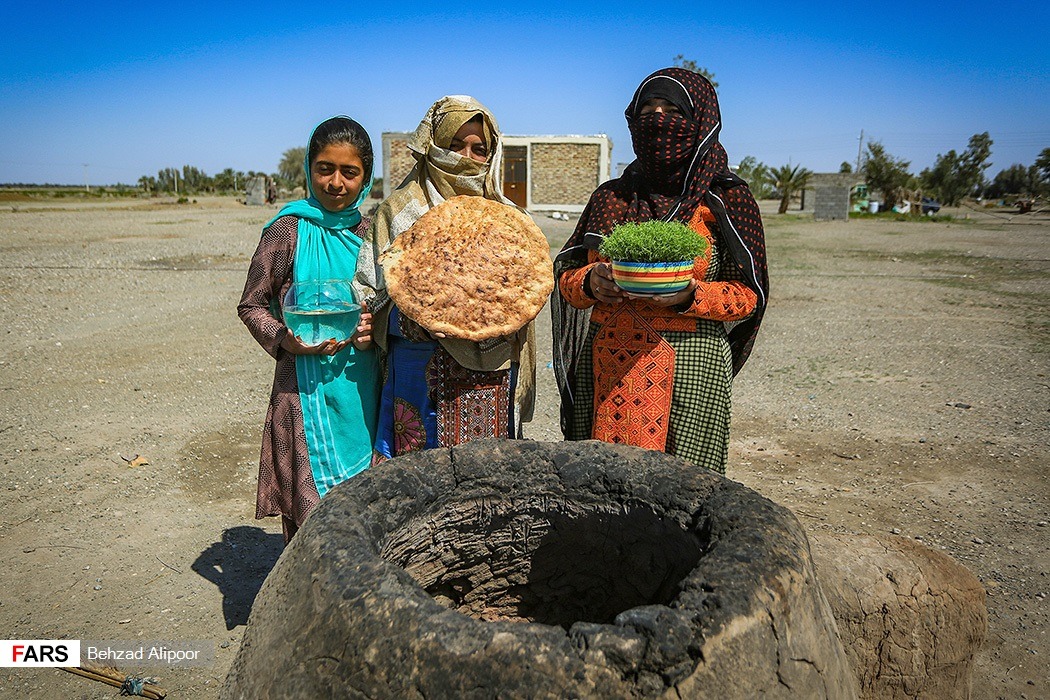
column 830, row 203
column 564, row 173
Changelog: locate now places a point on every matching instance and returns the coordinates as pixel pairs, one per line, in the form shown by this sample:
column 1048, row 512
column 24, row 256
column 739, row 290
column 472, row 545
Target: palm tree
column 788, row 181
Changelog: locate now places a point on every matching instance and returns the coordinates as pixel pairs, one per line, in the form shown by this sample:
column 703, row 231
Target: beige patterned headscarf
column 445, row 174
column 438, row 175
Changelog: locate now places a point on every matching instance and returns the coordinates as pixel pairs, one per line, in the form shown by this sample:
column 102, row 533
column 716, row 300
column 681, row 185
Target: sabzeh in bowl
column 653, row 257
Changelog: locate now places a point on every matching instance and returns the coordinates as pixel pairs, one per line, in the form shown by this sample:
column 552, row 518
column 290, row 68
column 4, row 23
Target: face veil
column 677, row 154
column 679, row 166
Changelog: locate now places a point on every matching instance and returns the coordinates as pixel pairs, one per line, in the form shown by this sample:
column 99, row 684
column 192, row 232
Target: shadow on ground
column 238, row 564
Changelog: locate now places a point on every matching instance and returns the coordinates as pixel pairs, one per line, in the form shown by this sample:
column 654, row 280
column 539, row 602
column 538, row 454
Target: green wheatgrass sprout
column 653, row 241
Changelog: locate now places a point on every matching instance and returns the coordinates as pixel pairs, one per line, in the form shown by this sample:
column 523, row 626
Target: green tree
column 680, row 61
column 885, row 173
column 788, row 180
column 954, row 175
column 756, row 174
column 290, row 168
column 1043, row 163
column 195, row 180
column 846, row 167
column 1017, row 179
column 168, row 180
column 229, row 180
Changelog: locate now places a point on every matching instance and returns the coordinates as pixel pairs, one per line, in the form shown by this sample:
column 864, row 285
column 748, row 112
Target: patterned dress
column 430, row 400
column 286, row 483
column 659, row 378
column 642, row 374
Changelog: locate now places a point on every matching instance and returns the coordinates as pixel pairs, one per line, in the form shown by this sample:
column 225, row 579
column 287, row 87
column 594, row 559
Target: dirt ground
column 900, row 384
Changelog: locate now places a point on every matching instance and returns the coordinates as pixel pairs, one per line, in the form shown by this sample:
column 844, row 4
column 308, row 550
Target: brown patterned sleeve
column 269, row 274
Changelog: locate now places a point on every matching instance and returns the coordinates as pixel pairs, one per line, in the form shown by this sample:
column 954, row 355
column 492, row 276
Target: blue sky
column 130, row 88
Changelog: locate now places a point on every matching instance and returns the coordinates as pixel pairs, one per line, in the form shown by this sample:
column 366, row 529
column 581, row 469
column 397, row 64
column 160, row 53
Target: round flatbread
column 470, row 268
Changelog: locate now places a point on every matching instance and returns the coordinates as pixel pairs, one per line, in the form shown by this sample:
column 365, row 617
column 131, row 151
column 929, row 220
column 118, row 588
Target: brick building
column 540, row 173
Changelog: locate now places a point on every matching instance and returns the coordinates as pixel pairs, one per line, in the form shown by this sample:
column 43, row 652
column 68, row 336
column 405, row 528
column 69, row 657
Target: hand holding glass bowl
column 322, row 317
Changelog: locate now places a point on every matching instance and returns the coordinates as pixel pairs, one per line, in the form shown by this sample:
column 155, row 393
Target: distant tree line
column 291, row 173
column 191, row 180
column 953, row 177
column 766, row 182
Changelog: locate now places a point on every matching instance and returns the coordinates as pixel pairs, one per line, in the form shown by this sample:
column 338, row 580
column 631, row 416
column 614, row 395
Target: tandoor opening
column 496, row 562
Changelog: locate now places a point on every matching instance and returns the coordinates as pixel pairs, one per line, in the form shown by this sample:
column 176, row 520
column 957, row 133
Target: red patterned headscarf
column 679, row 165
column 677, row 157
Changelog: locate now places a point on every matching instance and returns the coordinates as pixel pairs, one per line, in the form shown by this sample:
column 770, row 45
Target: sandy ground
column 900, row 384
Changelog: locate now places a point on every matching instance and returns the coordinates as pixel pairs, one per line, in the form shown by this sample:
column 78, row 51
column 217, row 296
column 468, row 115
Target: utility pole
column 860, row 145
column 176, row 171
column 86, row 188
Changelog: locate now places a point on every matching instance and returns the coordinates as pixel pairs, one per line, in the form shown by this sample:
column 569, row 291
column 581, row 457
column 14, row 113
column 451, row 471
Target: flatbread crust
column 470, row 268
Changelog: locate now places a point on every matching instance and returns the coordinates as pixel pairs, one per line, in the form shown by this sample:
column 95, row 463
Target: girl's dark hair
column 342, row 130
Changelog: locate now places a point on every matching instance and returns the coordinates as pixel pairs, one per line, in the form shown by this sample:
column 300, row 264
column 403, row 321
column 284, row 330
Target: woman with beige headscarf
column 440, row 391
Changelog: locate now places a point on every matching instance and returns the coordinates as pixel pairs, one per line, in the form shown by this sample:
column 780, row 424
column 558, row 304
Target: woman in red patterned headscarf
column 657, row 371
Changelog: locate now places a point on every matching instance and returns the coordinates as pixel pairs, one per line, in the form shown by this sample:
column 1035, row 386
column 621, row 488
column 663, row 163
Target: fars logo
column 39, row 652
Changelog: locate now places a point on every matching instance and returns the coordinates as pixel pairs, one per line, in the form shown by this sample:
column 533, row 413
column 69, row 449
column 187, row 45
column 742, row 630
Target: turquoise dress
column 339, row 393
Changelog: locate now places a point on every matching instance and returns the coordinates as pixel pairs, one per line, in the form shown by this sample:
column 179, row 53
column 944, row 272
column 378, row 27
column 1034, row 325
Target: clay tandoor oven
column 526, row 569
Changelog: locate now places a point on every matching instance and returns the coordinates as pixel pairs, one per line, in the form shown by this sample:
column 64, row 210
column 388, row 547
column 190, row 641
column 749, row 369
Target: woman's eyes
column 329, row 169
column 649, row 109
column 349, row 173
column 477, row 149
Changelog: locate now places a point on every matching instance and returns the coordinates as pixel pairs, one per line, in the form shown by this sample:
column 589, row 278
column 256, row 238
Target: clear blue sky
column 129, row 88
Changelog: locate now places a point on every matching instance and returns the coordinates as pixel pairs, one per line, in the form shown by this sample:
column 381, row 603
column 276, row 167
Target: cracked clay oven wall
column 526, row 569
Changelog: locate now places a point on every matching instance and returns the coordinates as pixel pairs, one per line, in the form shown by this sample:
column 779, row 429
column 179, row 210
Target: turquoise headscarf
column 338, row 393
column 311, row 210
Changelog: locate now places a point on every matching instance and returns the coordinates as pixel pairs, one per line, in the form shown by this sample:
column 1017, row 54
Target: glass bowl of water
column 320, row 310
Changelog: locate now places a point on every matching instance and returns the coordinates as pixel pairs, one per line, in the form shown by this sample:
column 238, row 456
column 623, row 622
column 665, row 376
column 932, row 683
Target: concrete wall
column 830, row 203
column 827, row 195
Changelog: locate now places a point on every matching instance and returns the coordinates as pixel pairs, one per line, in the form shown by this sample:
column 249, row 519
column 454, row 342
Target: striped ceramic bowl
column 652, row 277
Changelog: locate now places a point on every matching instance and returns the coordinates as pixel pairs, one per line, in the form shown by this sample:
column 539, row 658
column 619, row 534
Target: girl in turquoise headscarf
column 320, row 423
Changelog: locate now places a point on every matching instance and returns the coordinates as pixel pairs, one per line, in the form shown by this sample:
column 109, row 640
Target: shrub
column 653, row 241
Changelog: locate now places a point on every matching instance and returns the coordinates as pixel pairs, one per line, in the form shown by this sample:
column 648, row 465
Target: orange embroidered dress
column 635, row 383
column 642, row 374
